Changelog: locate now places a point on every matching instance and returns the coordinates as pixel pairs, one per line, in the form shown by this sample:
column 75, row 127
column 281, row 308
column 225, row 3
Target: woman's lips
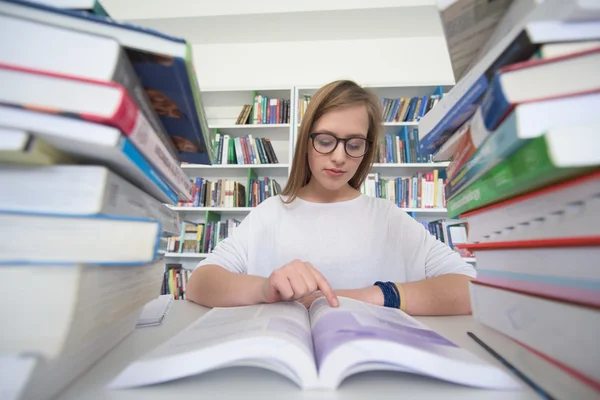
column 334, row 172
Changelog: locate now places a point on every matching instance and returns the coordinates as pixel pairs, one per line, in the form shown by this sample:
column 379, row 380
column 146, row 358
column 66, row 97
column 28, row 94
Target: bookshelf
column 222, row 110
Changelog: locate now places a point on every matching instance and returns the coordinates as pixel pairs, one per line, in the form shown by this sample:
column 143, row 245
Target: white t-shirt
column 352, row 243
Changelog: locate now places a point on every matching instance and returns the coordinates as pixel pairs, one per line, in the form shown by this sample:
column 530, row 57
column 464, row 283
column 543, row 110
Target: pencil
column 544, row 394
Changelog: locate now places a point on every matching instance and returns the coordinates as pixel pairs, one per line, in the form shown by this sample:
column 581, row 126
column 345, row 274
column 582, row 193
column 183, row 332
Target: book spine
column 503, row 142
column 462, row 101
column 125, row 75
column 494, row 104
column 528, row 169
column 158, row 187
column 134, row 125
column 271, row 150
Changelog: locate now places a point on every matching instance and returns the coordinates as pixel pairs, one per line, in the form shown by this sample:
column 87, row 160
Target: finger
column 280, row 283
column 324, row 286
column 297, row 283
column 309, row 278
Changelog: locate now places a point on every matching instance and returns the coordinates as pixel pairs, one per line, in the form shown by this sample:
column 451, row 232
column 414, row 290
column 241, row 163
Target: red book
column 103, row 102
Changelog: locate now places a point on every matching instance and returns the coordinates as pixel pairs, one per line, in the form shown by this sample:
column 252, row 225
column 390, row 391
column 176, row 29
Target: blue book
column 78, row 239
column 92, row 143
column 163, row 64
column 406, row 144
column 520, row 43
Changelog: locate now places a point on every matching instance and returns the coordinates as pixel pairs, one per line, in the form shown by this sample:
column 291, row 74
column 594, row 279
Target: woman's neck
column 317, row 194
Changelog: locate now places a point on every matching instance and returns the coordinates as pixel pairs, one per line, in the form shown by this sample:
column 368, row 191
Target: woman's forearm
column 443, row 295
column 214, row 286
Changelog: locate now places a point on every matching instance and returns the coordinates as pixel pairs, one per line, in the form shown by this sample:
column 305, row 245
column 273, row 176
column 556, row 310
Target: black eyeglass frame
column 337, row 142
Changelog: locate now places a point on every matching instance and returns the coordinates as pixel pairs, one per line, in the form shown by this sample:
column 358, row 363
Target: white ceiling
column 156, row 9
column 247, row 21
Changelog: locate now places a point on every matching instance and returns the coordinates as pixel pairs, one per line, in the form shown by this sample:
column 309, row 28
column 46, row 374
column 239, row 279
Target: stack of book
column 525, row 174
column 90, row 146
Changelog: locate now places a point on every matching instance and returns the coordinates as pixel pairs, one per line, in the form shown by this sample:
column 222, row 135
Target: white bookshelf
column 222, row 109
column 195, row 256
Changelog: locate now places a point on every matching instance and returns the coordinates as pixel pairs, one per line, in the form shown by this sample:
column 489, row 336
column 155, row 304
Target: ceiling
column 241, row 21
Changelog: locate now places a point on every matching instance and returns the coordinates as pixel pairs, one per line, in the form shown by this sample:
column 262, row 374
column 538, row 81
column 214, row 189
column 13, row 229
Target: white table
column 254, row 383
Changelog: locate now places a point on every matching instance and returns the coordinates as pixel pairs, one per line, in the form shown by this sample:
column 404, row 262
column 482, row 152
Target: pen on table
column 512, row 368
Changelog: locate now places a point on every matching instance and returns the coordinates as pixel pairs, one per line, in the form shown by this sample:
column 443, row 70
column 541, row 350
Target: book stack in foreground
column 525, row 175
column 87, row 161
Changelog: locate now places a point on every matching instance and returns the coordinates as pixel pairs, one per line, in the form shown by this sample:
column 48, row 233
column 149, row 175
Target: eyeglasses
column 326, row 143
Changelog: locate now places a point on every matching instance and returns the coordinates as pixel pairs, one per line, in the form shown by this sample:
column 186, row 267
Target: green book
column 529, row 168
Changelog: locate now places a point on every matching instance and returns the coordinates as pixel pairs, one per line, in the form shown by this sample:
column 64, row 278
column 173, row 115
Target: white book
column 564, row 210
column 71, row 302
column 155, row 310
column 49, row 377
column 564, row 332
column 85, row 239
column 316, row 349
column 80, row 190
column 91, row 143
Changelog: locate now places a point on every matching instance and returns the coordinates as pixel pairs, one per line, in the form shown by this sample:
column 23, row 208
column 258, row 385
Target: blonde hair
column 330, row 97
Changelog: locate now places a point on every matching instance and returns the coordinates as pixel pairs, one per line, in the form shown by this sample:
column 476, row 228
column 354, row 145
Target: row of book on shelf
column 402, row 147
column 230, row 194
column 265, row 110
column 424, row 190
column 201, row 237
column 401, row 109
column 175, row 281
column 522, row 133
column 103, row 142
column 243, row 150
column 407, row 109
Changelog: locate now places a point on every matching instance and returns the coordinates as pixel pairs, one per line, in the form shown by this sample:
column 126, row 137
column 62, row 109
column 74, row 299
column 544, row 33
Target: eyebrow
column 352, row 135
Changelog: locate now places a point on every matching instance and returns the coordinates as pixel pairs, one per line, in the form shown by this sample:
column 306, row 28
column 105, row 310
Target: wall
column 410, row 61
column 279, row 44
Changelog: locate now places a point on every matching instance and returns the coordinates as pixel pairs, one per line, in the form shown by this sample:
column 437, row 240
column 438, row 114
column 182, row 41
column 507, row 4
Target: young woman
column 322, row 237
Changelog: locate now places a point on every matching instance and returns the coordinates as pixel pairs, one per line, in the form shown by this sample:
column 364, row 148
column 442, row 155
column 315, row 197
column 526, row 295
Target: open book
column 315, row 349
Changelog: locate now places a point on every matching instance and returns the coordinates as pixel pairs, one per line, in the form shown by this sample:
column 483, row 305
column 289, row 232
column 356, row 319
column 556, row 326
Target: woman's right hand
column 294, row 281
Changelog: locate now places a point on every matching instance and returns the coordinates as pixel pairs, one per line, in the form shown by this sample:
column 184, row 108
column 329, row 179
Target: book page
column 272, row 336
column 355, row 320
column 357, row 337
column 287, row 321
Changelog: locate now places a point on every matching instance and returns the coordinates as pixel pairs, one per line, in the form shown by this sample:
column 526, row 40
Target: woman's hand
column 371, row 294
column 294, row 281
